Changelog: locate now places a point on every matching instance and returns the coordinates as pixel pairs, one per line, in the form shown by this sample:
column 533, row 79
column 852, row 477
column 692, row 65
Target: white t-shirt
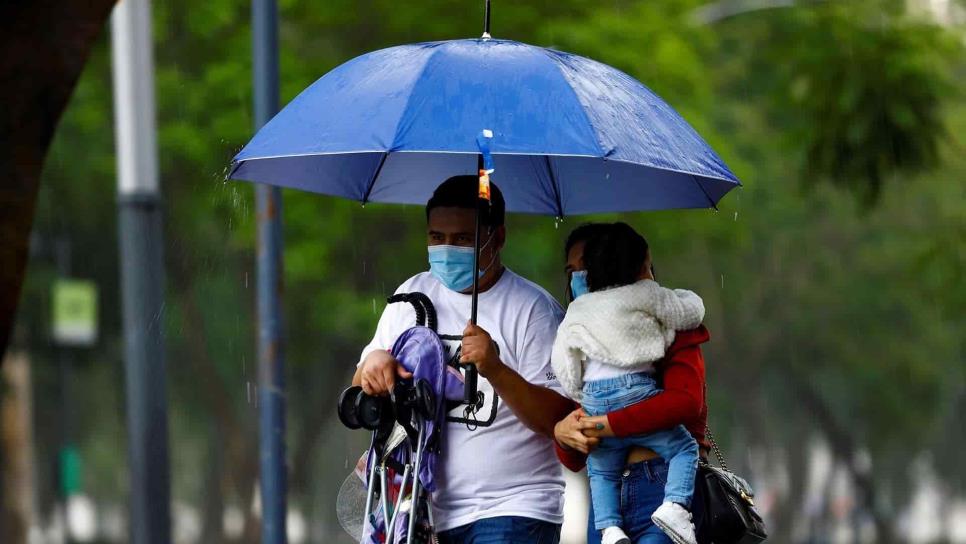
column 595, row 369
column 501, row 468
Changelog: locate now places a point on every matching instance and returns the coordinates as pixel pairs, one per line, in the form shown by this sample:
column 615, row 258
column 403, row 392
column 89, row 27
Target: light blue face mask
column 453, row 266
column 578, row 283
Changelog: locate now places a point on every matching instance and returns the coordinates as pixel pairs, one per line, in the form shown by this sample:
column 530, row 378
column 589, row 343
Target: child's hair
column 614, row 256
column 582, row 234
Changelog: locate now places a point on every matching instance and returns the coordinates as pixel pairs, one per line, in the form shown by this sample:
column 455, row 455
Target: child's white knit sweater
column 627, row 327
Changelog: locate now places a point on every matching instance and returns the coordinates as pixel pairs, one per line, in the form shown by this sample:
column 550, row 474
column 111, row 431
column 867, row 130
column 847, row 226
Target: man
column 499, row 480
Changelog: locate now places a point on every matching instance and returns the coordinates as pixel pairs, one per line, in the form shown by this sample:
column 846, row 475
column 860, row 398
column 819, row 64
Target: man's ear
column 500, row 237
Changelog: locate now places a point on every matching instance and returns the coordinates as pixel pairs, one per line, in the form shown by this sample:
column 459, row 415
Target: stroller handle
column 428, row 307
column 425, row 311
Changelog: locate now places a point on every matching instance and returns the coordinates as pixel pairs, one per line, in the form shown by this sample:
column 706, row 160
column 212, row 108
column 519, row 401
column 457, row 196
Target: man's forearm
column 539, row 408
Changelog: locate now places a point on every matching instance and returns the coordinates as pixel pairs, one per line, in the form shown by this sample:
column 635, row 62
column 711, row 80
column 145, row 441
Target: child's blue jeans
column 606, row 464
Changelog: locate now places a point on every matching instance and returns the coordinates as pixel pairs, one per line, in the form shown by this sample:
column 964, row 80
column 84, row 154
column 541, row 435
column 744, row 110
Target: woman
column 681, row 402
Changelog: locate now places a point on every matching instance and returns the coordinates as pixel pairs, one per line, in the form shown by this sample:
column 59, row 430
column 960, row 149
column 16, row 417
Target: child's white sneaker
column 675, row 521
column 614, row 535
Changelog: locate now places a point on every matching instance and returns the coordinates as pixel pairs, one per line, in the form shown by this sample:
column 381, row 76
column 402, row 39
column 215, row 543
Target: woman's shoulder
column 690, row 338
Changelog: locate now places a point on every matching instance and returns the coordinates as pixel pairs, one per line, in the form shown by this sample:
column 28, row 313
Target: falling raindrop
column 246, row 280
column 722, row 281
column 374, row 303
column 248, row 391
column 736, row 215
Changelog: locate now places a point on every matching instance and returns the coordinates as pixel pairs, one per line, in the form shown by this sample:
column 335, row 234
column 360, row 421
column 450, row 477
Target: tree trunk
column 236, row 449
column 16, row 451
column 845, row 449
column 45, row 47
column 214, row 496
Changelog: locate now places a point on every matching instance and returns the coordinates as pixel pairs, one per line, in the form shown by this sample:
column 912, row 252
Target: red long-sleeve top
column 682, row 400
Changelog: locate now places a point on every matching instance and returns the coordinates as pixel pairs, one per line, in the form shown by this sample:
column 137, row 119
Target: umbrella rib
column 556, row 188
column 710, row 200
column 412, row 92
column 372, row 183
column 583, row 108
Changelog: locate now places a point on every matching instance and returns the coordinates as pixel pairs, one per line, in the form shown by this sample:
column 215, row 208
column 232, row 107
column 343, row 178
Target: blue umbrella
column 566, row 134
column 570, row 135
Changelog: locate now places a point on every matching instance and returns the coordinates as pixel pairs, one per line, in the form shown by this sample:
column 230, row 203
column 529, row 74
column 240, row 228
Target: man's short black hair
column 463, row 192
column 614, row 256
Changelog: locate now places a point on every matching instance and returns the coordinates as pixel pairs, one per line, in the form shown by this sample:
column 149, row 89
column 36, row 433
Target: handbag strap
column 714, row 447
column 707, row 433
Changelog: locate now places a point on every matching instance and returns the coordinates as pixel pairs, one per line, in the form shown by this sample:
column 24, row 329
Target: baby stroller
column 406, row 432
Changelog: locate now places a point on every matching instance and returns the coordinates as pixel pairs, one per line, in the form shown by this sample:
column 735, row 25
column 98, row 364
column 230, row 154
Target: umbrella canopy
column 570, row 135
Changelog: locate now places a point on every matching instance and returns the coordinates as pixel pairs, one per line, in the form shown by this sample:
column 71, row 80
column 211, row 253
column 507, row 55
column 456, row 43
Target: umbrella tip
column 486, row 20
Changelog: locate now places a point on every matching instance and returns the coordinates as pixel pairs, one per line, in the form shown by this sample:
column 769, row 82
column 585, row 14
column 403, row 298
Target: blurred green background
column 833, row 279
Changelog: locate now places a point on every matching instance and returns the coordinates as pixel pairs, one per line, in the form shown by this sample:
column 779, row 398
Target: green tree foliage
column 869, row 107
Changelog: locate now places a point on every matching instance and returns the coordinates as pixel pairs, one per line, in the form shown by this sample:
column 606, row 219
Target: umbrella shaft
column 476, row 262
column 470, row 375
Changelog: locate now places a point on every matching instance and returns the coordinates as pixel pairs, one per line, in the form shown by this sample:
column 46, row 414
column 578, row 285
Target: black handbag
column 729, row 515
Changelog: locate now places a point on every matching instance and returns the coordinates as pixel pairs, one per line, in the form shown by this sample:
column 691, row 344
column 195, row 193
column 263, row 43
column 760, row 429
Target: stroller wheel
column 347, row 407
column 425, row 399
column 369, row 411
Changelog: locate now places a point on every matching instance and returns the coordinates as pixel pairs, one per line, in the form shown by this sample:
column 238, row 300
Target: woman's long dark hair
column 614, row 256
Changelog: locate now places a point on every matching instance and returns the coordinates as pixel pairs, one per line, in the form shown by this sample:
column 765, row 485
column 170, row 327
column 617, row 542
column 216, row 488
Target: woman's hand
column 597, row 427
column 570, row 432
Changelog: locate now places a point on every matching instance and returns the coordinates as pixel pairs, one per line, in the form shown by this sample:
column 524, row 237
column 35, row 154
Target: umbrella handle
column 470, row 376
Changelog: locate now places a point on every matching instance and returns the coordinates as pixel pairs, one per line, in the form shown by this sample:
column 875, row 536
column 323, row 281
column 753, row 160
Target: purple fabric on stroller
column 421, row 352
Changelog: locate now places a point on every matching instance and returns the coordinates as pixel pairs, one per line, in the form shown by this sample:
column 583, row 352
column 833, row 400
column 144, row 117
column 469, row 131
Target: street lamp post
column 142, row 272
column 271, row 360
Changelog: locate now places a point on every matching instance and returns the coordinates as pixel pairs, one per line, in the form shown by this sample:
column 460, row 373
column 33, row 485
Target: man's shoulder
column 419, row 282
column 529, row 293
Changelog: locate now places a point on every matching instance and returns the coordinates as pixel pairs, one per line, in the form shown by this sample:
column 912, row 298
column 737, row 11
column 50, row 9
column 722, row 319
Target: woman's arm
column 571, row 444
column 680, row 402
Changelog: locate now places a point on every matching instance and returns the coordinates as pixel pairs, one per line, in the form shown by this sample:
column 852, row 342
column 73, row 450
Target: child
column 619, row 323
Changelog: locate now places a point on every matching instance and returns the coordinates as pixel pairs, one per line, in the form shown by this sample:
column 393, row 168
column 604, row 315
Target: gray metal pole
column 142, row 272
column 65, row 357
column 271, row 360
